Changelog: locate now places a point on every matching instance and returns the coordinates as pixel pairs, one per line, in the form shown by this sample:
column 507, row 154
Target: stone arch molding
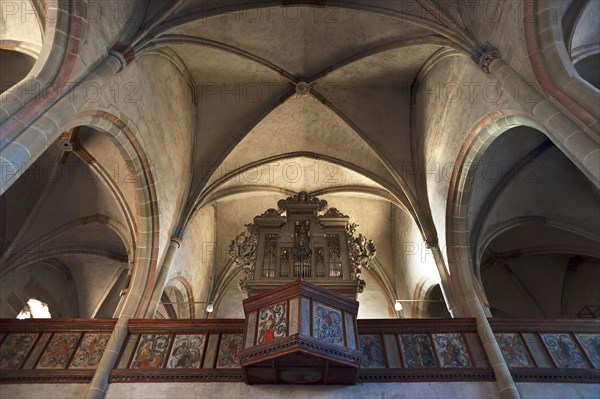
column 184, row 289
column 458, row 248
column 548, row 221
column 552, row 65
column 64, row 27
column 388, row 192
column 143, row 263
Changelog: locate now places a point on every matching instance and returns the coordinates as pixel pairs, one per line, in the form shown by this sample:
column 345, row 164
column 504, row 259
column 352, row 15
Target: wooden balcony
column 68, row 350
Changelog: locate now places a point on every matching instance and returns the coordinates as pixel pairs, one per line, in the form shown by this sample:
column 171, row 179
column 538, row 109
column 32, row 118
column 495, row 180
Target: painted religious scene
column 327, row 324
column 371, row 347
column 451, row 350
column 417, row 351
column 151, row 352
column 90, row 351
column 187, row 351
column 59, row 351
column 14, row 350
column 272, row 323
column 229, row 350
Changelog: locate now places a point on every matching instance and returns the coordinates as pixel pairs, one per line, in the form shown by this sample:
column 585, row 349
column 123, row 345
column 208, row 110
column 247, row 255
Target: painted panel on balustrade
column 591, row 346
column 514, row 350
column 150, row 352
column 451, row 350
column 371, row 347
column 14, row 350
column 327, row 324
column 417, row 351
column 59, row 351
column 90, row 351
column 564, row 351
column 229, row 350
column 272, row 323
column 186, row 351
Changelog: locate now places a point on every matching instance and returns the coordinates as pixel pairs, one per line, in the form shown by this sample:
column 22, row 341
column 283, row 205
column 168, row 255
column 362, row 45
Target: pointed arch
column 143, row 263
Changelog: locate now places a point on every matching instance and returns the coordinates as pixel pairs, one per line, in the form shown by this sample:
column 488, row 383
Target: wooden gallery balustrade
column 68, row 350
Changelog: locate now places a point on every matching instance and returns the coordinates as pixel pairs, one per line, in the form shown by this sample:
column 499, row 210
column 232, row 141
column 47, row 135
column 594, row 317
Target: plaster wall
column 230, row 302
column 20, row 23
column 34, row 391
column 543, row 390
column 479, row 390
column 232, row 215
column 450, row 99
column 48, row 282
column 164, row 124
column 461, row 390
column 414, row 261
column 105, row 20
column 194, row 261
column 502, row 24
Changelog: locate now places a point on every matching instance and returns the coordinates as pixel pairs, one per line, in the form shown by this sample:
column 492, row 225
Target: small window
column 34, row 310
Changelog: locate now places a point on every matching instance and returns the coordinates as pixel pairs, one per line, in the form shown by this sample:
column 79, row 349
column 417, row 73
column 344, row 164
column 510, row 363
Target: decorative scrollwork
column 243, row 252
column 271, row 212
column 334, row 213
column 361, row 251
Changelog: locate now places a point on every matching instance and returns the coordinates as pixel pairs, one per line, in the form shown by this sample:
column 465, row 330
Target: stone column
column 470, row 306
column 507, row 389
column 445, row 283
column 162, row 277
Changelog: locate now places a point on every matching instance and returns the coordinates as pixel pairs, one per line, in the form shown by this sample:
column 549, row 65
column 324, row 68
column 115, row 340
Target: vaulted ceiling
column 331, row 83
column 287, row 98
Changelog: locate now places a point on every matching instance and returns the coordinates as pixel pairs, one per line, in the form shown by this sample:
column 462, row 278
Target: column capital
column 176, row 240
column 484, row 54
column 125, row 54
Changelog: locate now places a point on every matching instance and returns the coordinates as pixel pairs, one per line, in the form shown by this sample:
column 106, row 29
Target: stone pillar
column 505, row 384
column 582, row 149
column 445, row 282
column 162, row 277
column 98, row 386
column 470, row 306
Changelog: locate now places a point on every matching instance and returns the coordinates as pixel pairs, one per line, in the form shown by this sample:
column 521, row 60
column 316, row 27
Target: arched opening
column 63, row 234
column 534, row 270
column 434, row 305
column 534, row 229
column 14, row 66
column 582, row 38
column 176, row 301
column 589, row 69
column 34, row 309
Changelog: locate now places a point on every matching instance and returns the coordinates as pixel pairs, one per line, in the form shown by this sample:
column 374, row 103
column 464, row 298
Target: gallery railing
column 68, row 350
